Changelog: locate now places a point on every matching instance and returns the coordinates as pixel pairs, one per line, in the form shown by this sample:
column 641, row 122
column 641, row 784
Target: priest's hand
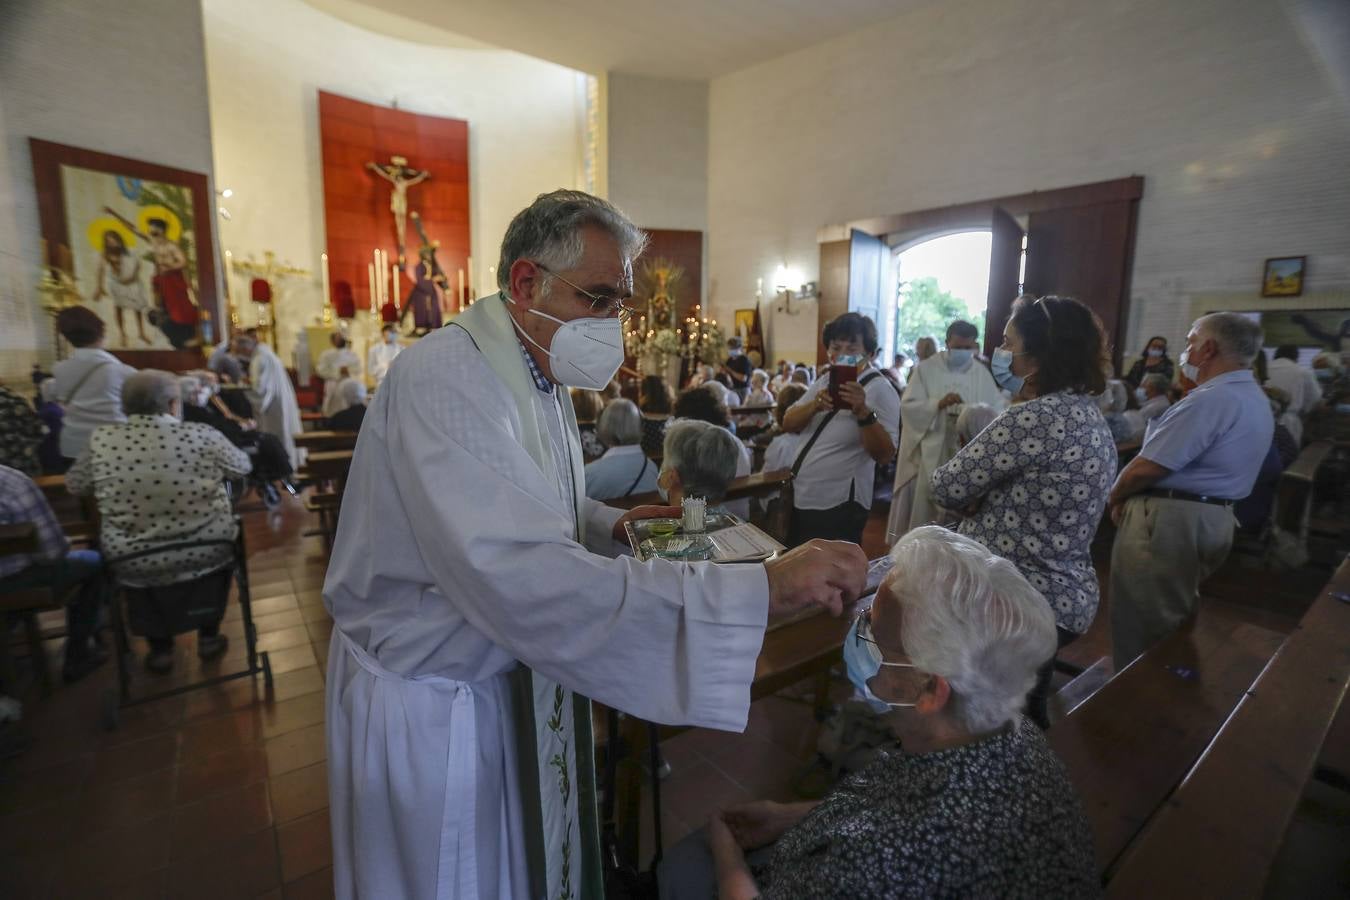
column 828, row 574
column 643, row 512
column 951, row 399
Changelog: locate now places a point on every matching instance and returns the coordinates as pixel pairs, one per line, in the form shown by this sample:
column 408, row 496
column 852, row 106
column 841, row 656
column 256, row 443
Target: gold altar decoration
column 269, row 270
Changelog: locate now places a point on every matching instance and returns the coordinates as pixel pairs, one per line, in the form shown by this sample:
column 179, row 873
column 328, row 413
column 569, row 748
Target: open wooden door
column 1085, row 252
column 854, row 278
column 1005, row 256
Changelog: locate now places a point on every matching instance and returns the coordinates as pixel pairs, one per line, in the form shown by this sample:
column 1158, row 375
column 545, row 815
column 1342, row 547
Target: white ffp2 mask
column 584, row 353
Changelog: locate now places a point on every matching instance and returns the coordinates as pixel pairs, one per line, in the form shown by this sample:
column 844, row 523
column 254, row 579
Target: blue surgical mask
column 1000, row 366
column 863, row 661
column 959, row 359
column 1322, row 374
column 848, row 359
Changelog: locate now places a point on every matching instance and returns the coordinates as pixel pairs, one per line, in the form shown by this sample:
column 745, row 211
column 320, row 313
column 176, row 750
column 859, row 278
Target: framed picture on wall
column 1283, row 276
column 745, row 323
column 136, row 237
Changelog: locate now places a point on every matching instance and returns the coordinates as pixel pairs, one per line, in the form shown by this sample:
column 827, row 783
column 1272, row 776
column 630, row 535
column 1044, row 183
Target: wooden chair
column 1222, row 828
column 21, row 538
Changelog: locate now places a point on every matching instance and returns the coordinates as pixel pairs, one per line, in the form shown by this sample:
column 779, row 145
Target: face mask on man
column 863, row 661
column 1191, row 372
column 1141, row 395
column 960, row 358
column 585, row 353
column 390, row 337
column 1000, row 366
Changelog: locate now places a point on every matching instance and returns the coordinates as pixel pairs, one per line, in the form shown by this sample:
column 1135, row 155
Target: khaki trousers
column 1163, row 550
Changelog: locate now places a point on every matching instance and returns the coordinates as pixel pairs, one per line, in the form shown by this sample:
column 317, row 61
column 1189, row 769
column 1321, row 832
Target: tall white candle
column 473, row 285
column 393, row 274
column 461, row 290
column 323, row 270
column 374, row 297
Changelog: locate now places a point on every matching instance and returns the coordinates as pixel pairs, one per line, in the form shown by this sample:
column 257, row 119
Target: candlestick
column 473, row 285
column 374, row 296
column 393, row 274
column 327, row 297
column 461, row 289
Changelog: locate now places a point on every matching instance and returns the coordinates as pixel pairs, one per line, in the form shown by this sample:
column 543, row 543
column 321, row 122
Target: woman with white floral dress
column 1033, row 485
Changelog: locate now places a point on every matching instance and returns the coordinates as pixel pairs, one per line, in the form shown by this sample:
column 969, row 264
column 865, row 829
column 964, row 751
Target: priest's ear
column 526, row 279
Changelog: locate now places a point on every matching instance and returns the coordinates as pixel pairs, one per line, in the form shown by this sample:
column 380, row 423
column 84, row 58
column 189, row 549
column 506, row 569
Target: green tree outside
column 925, row 309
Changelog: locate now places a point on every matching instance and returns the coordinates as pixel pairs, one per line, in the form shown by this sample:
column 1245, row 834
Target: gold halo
column 103, row 224
column 175, row 228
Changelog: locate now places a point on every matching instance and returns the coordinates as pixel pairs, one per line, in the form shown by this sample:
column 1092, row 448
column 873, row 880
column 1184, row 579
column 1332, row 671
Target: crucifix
column 269, row 270
column 400, row 176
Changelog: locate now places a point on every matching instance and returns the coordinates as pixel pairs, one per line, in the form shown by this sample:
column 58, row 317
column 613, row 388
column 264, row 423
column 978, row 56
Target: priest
column 473, row 615
column 938, row 389
column 336, row 363
column 271, row 392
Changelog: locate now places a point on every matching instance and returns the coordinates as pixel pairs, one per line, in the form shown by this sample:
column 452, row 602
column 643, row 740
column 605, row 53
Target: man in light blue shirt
column 623, row 469
column 1173, row 504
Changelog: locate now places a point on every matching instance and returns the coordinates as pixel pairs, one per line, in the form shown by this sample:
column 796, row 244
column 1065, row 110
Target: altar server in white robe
column 468, row 605
column 336, row 363
column 382, row 354
column 938, row 389
column 272, row 394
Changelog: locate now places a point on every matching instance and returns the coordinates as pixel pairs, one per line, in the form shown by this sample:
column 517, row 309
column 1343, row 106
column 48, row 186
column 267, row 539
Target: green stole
column 556, row 762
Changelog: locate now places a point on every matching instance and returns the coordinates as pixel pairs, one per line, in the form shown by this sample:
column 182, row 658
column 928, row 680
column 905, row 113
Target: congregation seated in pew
column 349, row 406
column 699, row 460
column 159, row 482
column 623, row 469
column 972, row 801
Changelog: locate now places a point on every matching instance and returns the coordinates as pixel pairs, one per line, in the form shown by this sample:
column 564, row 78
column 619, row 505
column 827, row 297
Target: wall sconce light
column 791, row 286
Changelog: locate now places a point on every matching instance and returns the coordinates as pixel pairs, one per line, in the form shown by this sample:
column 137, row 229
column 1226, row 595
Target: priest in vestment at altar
column 938, row 389
column 477, row 606
column 272, row 394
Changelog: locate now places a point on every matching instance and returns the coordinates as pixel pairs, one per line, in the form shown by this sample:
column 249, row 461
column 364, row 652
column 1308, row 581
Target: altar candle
column 473, row 285
column 323, row 270
column 374, row 297
column 461, row 288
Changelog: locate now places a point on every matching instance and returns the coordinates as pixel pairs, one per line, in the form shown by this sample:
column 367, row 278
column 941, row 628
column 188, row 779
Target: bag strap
column 801, row 457
column 65, row 401
column 638, row 479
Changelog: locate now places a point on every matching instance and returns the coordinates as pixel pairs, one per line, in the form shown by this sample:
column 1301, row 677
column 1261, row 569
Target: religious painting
column 137, row 239
column 1283, row 276
column 1326, row 328
column 744, row 325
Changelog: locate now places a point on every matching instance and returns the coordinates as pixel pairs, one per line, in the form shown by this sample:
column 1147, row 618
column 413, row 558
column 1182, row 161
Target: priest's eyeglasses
column 599, row 302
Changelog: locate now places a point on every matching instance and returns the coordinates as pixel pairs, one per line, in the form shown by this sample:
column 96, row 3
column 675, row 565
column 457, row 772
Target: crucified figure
column 400, row 176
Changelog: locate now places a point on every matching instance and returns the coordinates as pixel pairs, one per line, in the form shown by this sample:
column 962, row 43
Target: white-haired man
column 471, row 619
column 1173, row 504
column 273, row 395
column 973, row 803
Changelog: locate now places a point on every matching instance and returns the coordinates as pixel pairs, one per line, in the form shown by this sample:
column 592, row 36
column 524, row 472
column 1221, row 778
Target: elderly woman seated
column 699, row 461
column 349, row 405
column 973, row 802
column 159, row 484
column 623, row 469
column 974, row 418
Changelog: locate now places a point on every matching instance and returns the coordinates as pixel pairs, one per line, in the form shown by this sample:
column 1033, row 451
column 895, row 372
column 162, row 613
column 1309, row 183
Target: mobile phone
column 841, row 374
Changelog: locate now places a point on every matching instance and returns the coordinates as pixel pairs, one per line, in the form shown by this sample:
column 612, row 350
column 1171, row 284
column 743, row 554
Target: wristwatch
column 867, row 420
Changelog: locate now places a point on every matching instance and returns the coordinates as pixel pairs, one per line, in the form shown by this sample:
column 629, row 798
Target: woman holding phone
column 849, row 420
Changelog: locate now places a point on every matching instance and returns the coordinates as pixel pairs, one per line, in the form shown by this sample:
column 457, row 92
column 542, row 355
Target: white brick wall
column 126, row 78
column 1244, row 145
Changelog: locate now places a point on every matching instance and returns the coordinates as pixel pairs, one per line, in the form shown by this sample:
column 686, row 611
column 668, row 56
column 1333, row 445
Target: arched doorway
column 939, row 280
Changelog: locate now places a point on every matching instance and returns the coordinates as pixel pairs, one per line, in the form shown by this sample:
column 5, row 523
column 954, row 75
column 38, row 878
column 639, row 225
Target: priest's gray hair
column 1239, row 338
column 971, row 617
column 704, row 455
column 549, row 230
column 149, row 393
column 974, row 418
column 620, row 424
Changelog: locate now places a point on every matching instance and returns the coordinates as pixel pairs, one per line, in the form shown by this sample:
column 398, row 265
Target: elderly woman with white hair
column 349, row 405
column 623, row 469
column 971, row 803
column 159, row 481
column 974, row 418
column 699, row 460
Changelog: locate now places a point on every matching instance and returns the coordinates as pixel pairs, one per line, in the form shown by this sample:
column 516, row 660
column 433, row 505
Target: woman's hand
column 855, row 397
column 758, row 823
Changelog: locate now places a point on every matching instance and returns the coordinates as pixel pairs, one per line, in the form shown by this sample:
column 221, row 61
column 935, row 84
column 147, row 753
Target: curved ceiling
column 692, row 39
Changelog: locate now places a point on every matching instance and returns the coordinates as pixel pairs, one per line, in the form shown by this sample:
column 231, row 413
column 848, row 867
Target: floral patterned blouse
column 996, row 818
column 1042, row 472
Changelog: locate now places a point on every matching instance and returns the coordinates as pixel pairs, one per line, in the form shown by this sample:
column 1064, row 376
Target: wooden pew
column 751, row 410
column 326, row 467
column 26, row 603
column 1129, row 745
column 1294, row 492
column 310, row 419
column 326, row 440
column 78, row 516
column 1220, row 832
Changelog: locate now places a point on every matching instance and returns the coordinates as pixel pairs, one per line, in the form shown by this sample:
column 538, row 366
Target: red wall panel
column 356, row 201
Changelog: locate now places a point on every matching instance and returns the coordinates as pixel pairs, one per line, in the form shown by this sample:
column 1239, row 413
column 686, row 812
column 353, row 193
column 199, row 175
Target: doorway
column 939, row 280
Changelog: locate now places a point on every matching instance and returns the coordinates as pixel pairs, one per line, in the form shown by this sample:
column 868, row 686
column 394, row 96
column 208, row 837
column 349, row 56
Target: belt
column 1170, row 494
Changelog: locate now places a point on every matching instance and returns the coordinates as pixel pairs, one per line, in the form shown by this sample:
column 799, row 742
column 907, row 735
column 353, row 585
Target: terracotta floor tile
column 200, row 827
column 299, row 793
column 295, row 750
column 287, row 618
column 217, row 773
column 315, row 612
column 766, row 772
column 219, row 699
column 321, row 650
column 37, row 831
column 26, row 877
column 280, row 639
column 99, row 863
column 297, row 682
column 274, row 894
column 244, row 867
column 138, row 758
column 125, row 802
column 288, row 715
column 50, row 784
column 306, row 846
column 295, row 658
column 209, row 736
column 314, row 886
column 321, row 631
column 309, row 597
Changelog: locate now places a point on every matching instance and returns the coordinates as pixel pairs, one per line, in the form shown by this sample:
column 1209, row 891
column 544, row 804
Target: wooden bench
column 22, row 538
column 1294, row 492
column 78, row 516
column 751, row 410
column 1129, row 745
column 326, row 505
column 328, row 466
column 1220, row 832
column 311, row 419
column 326, row 440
